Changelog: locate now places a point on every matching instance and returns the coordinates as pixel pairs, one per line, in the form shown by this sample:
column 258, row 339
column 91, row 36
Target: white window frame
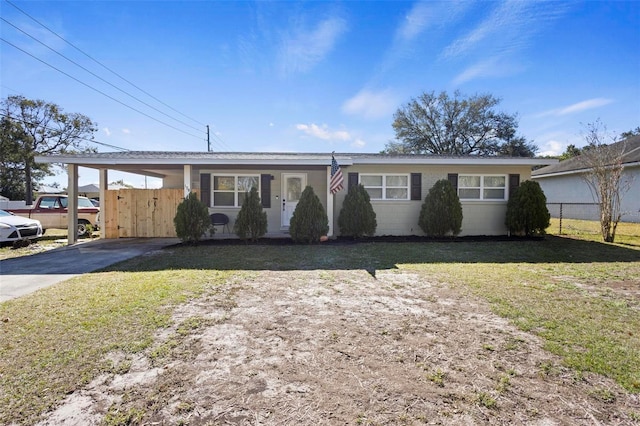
column 236, row 192
column 384, row 186
column 482, row 187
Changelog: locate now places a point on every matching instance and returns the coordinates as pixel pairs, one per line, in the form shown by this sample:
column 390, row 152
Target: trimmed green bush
column 527, row 212
column 357, row 217
column 192, row 219
column 441, row 212
column 309, row 221
column 251, row 222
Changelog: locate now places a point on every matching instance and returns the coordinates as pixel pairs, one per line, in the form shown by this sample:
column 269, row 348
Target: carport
column 140, row 163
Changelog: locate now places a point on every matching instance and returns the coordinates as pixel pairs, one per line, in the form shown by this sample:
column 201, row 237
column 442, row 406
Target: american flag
column 336, row 176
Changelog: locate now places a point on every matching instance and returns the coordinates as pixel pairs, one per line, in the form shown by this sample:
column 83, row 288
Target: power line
column 77, row 137
column 99, row 91
column 102, row 65
column 98, row 77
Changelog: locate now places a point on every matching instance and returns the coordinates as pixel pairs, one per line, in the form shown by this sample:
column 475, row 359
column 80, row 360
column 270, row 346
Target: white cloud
column 415, row 22
column 552, row 147
column 577, row 107
column 371, row 104
column 126, row 131
column 323, row 132
column 301, row 51
column 106, row 131
column 510, row 28
column 584, row 105
column 358, row 143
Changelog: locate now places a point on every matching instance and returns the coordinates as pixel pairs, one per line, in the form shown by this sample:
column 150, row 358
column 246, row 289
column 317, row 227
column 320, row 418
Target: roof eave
column 298, row 161
column 97, row 162
column 521, row 161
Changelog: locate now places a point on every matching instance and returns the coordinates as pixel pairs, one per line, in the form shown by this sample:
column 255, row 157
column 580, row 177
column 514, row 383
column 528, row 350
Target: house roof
column 630, row 156
column 162, row 163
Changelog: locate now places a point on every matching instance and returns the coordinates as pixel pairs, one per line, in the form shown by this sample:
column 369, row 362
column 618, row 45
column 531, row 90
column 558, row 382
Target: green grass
column 54, row 341
column 626, row 233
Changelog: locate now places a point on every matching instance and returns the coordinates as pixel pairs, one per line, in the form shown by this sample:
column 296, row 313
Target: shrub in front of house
column 309, row 221
column 527, row 212
column 441, row 212
column 192, row 219
column 251, row 222
column 357, row 217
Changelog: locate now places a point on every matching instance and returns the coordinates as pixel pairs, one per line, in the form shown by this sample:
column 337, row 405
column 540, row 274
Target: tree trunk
column 28, row 184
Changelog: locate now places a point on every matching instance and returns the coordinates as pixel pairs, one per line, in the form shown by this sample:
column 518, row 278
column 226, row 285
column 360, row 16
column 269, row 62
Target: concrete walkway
column 24, row 275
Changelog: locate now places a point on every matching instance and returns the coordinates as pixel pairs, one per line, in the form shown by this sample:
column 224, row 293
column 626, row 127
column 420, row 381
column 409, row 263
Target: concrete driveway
column 24, row 275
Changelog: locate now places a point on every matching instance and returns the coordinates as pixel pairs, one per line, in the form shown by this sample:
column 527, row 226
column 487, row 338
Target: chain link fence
column 568, row 217
column 579, row 211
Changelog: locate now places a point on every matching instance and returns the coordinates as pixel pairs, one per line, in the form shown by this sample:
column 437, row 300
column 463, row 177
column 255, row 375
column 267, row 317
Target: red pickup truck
column 51, row 211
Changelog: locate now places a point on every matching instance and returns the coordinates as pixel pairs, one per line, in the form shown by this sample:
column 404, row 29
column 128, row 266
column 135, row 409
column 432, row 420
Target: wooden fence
column 140, row 212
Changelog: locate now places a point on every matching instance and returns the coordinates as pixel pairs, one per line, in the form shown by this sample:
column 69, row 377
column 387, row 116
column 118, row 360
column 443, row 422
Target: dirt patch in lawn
column 343, row 347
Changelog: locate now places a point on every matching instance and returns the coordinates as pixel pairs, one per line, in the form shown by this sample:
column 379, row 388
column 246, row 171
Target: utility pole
column 208, row 141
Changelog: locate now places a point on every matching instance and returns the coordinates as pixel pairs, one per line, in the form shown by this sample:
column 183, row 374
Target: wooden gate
column 141, row 212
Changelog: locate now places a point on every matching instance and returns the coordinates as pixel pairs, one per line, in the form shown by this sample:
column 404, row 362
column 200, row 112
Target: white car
column 15, row 228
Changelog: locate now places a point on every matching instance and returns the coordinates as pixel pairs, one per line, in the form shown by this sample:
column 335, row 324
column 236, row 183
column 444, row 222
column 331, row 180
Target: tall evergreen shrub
column 441, row 212
column 357, row 217
column 527, row 212
column 309, row 221
column 192, row 219
column 251, row 222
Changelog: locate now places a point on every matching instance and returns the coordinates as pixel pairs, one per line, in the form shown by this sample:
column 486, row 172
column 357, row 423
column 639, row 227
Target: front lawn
column 582, row 298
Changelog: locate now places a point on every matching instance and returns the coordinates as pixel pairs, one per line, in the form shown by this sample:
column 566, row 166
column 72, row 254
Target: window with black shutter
column 205, row 189
column 453, row 178
column 352, row 180
column 265, row 190
column 514, row 183
column 416, row 186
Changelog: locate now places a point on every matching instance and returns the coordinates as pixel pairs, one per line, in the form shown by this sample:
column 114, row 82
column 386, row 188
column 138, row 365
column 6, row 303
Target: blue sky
column 322, row 76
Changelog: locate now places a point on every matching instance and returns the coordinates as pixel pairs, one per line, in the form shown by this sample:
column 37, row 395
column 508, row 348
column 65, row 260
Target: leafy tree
column 12, row 184
column 192, row 219
column 309, row 221
column 456, row 125
column 35, row 127
column 517, row 147
column 570, row 152
column 251, row 222
column 527, row 212
column 122, row 184
column 630, row 133
column 604, row 176
column 441, row 211
column 357, row 217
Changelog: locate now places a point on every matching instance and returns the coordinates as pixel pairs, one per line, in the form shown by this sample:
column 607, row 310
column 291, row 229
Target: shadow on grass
column 374, row 254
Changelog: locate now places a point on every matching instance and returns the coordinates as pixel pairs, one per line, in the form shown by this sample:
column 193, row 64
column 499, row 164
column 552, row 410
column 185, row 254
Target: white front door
column 292, row 186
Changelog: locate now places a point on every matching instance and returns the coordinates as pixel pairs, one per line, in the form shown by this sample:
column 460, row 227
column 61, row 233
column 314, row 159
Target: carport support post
column 187, row 180
column 329, row 202
column 104, row 185
column 72, row 204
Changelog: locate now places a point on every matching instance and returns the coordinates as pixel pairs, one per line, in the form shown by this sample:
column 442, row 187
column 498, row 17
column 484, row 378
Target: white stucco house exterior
column 397, row 184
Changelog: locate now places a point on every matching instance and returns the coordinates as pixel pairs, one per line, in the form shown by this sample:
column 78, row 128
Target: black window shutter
column 416, row 186
column 514, row 183
column 453, row 178
column 205, row 189
column 352, row 180
column 265, row 190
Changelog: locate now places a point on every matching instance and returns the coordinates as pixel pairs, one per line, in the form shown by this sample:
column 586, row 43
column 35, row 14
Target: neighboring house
column 562, row 183
column 397, row 184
